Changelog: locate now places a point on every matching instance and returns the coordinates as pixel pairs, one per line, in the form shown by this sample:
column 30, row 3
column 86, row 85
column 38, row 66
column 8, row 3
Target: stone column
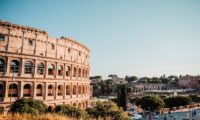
column 35, row 47
column 64, row 96
column 56, row 91
column 35, row 68
column 64, row 71
column 6, row 88
column 7, row 72
column 55, row 70
column 22, row 67
column 46, row 69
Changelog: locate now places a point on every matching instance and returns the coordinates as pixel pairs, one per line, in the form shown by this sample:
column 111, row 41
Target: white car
column 136, row 116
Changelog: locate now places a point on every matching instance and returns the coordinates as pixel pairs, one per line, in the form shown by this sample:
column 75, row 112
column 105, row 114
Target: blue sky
column 125, row 37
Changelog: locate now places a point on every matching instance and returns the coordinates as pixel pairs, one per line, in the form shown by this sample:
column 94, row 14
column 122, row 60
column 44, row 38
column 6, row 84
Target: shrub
column 150, row 103
column 107, row 109
column 177, row 101
column 71, row 111
column 195, row 98
column 29, row 105
column 1, row 109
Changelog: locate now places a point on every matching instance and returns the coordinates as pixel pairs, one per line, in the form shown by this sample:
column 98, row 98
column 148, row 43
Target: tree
column 151, row 103
column 195, row 98
column 177, row 101
column 131, row 78
column 29, row 105
column 106, row 109
column 70, row 111
column 122, row 96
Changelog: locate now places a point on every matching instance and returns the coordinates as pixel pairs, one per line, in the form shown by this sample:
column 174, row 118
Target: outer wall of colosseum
column 33, row 65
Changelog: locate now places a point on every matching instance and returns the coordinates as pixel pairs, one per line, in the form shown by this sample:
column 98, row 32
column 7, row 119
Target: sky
column 125, row 37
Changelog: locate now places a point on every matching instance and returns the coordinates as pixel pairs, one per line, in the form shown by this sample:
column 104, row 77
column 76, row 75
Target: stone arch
column 60, row 89
column 51, row 69
column 27, row 90
column 79, row 105
column 74, row 104
column 40, row 68
column 68, row 71
column 68, row 90
column 74, row 89
column 83, row 105
column 28, row 67
column 74, row 72
column 83, row 89
column 1, row 90
column 79, row 89
column 83, row 73
column 51, row 90
column 2, row 65
column 79, row 72
column 60, row 70
column 40, row 90
column 13, row 90
column 14, row 66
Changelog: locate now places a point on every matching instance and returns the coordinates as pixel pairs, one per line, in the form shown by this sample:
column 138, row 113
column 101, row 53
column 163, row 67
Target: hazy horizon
column 132, row 37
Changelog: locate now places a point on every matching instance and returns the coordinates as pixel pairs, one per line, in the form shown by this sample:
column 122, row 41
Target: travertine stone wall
column 65, row 73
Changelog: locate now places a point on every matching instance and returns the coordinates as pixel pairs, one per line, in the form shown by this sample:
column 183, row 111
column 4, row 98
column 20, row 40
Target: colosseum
column 34, row 65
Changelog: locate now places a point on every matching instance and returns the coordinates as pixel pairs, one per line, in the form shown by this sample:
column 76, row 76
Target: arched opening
column 83, row 89
column 50, row 109
column 50, row 90
column 74, row 104
column 74, row 73
column 40, row 68
column 60, row 90
column 2, row 65
column 27, row 90
column 68, row 90
column 74, row 89
column 39, row 90
column 83, row 73
column 60, row 70
column 79, row 72
column 79, row 89
column 50, row 69
column 13, row 90
column 68, row 71
column 79, row 105
column 83, row 105
column 14, row 66
column 1, row 90
column 28, row 67
column 86, row 73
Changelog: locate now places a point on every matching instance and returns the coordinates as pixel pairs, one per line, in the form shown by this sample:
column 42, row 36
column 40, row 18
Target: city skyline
column 142, row 38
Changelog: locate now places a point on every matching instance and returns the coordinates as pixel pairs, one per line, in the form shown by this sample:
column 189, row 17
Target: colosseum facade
column 34, row 65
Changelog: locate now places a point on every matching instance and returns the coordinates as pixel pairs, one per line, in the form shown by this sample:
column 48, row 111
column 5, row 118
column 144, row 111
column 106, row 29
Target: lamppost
column 13, row 72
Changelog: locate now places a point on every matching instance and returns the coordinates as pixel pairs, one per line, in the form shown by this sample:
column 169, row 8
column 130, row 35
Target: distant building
column 189, row 81
column 116, row 78
column 96, row 79
column 142, row 87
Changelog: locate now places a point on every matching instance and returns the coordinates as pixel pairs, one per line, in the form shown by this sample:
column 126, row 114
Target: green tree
column 195, row 98
column 106, row 109
column 177, row 101
column 131, row 78
column 122, row 96
column 29, row 105
column 71, row 111
column 1, row 109
column 150, row 103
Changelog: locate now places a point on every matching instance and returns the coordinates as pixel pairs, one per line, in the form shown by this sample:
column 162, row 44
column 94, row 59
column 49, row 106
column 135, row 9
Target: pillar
column 21, row 86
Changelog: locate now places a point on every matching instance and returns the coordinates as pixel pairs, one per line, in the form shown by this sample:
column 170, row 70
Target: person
column 194, row 112
column 165, row 117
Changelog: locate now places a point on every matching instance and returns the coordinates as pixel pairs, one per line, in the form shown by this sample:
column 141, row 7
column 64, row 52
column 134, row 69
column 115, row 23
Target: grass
column 35, row 117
